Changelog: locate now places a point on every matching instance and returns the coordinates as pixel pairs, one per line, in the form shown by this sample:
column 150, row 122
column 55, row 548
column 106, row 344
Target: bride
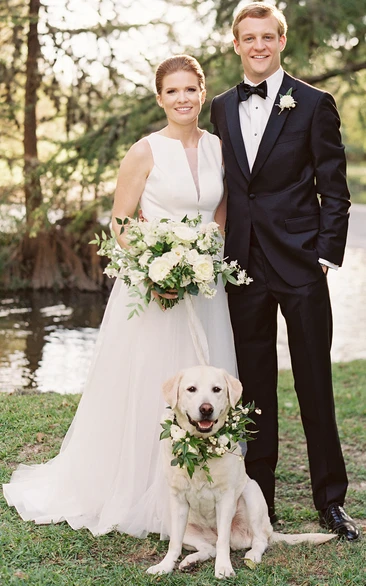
column 107, row 474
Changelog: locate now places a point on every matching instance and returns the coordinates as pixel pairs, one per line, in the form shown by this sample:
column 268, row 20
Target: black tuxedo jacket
column 296, row 196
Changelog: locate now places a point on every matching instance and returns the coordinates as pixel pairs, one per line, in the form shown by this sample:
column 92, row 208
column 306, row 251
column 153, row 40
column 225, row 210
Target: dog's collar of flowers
column 286, row 101
column 190, row 451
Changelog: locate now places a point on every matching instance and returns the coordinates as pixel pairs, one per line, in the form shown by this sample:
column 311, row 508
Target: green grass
column 32, row 427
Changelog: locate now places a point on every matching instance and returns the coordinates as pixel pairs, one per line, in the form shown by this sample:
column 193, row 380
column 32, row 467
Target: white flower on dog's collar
column 286, row 101
column 190, row 451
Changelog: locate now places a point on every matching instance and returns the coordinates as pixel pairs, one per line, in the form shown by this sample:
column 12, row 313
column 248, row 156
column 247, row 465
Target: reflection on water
column 47, row 340
column 347, row 288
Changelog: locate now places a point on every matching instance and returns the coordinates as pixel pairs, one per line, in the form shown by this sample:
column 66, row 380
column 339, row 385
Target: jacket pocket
column 289, row 136
column 303, row 224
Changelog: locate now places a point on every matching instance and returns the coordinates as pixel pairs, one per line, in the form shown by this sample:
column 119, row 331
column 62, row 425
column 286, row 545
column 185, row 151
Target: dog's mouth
column 203, row 426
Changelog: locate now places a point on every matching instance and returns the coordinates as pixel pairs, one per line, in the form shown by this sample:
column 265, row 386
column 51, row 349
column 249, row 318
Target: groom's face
column 259, row 46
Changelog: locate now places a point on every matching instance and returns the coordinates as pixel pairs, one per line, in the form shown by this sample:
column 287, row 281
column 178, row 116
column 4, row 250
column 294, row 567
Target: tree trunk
column 32, row 184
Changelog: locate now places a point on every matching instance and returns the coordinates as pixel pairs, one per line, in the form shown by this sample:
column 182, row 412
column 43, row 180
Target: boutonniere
column 286, row 101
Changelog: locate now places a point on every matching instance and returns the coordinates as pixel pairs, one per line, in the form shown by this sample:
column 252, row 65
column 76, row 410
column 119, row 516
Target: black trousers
column 307, row 312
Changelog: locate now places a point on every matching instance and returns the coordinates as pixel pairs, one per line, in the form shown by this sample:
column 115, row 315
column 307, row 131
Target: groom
column 287, row 220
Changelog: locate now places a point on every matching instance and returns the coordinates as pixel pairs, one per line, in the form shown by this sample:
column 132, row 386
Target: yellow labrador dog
column 230, row 512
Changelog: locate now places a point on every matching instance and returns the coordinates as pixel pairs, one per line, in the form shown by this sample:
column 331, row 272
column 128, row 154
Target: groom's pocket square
column 295, row 225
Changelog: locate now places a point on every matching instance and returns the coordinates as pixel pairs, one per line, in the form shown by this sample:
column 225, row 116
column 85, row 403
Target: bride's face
column 181, row 97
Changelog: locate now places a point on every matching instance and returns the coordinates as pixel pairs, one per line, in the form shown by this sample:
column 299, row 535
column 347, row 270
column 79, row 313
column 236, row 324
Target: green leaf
column 192, row 289
column 250, row 564
column 231, row 279
column 165, row 434
column 190, row 468
column 119, row 221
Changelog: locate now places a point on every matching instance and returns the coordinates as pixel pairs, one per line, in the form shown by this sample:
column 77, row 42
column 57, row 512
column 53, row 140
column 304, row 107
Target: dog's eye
column 192, row 389
column 216, row 389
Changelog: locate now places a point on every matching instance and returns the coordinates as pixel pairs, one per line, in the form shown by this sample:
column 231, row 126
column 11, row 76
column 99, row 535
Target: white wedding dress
column 107, row 474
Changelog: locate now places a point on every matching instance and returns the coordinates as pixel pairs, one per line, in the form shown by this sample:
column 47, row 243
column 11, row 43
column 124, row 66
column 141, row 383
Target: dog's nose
column 206, row 409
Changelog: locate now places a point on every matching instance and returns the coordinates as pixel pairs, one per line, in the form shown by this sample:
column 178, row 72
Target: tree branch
column 348, row 68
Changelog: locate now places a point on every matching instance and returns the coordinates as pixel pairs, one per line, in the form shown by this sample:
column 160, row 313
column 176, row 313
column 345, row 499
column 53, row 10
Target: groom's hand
column 325, row 269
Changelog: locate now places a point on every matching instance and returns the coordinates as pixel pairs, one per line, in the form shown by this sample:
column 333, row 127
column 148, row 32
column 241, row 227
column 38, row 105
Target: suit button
column 252, row 196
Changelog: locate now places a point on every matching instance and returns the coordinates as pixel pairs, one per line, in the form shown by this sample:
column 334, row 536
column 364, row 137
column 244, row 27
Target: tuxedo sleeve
column 330, row 176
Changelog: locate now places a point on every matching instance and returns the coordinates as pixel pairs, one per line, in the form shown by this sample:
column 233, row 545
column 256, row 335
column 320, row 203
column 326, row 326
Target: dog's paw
column 160, row 569
column 224, row 571
column 188, row 565
column 252, row 558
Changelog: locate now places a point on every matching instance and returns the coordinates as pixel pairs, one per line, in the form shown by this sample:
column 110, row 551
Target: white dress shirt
column 254, row 114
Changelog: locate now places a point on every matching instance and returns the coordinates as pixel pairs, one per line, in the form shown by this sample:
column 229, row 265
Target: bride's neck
column 189, row 136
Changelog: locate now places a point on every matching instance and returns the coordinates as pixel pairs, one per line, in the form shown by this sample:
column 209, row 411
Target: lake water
column 47, row 340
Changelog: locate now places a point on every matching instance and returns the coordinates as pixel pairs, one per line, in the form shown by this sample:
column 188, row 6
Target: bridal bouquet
column 167, row 256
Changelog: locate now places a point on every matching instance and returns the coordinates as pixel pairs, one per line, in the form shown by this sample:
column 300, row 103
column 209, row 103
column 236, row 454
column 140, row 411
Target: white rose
column 170, row 259
column 177, row 432
column 192, row 256
column 185, row 233
column 159, row 269
column 223, row 440
column 203, row 268
column 175, row 255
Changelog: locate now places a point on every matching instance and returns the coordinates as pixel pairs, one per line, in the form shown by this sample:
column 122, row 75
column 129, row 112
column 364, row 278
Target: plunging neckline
column 192, row 158
column 193, row 175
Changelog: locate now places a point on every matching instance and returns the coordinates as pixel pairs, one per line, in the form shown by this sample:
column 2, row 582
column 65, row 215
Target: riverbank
column 32, row 430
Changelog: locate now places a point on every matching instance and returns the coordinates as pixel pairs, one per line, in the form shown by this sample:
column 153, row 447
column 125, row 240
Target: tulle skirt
column 108, row 473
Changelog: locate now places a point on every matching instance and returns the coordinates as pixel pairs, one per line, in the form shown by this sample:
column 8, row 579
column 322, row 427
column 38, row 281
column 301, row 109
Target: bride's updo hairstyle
column 179, row 63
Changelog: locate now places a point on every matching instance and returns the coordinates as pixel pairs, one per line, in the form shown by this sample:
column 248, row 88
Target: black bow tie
column 245, row 90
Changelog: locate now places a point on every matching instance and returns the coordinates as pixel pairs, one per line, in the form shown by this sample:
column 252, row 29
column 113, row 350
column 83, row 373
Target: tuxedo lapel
column 233, row 122
column 274, row 126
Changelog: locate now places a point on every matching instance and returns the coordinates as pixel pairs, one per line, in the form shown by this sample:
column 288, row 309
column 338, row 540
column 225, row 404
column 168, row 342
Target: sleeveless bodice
column 170, row 190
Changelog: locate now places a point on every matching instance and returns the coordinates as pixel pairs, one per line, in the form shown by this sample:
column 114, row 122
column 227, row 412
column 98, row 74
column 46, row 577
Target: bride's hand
column 171, row 294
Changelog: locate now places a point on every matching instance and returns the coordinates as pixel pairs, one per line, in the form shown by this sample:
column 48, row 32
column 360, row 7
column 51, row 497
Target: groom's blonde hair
column 260, row 10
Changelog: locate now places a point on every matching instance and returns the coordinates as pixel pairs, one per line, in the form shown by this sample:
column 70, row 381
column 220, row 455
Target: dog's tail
column 293, row 538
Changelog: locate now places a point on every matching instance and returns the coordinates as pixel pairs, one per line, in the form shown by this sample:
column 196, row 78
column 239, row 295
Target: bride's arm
column 133, row 172
column 220, row 214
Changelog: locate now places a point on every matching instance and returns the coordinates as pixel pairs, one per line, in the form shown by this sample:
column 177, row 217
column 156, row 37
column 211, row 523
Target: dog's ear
column 234, row 388
column 170, row 390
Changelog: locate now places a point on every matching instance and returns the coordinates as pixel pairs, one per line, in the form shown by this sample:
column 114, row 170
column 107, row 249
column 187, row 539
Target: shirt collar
column 274, row 82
